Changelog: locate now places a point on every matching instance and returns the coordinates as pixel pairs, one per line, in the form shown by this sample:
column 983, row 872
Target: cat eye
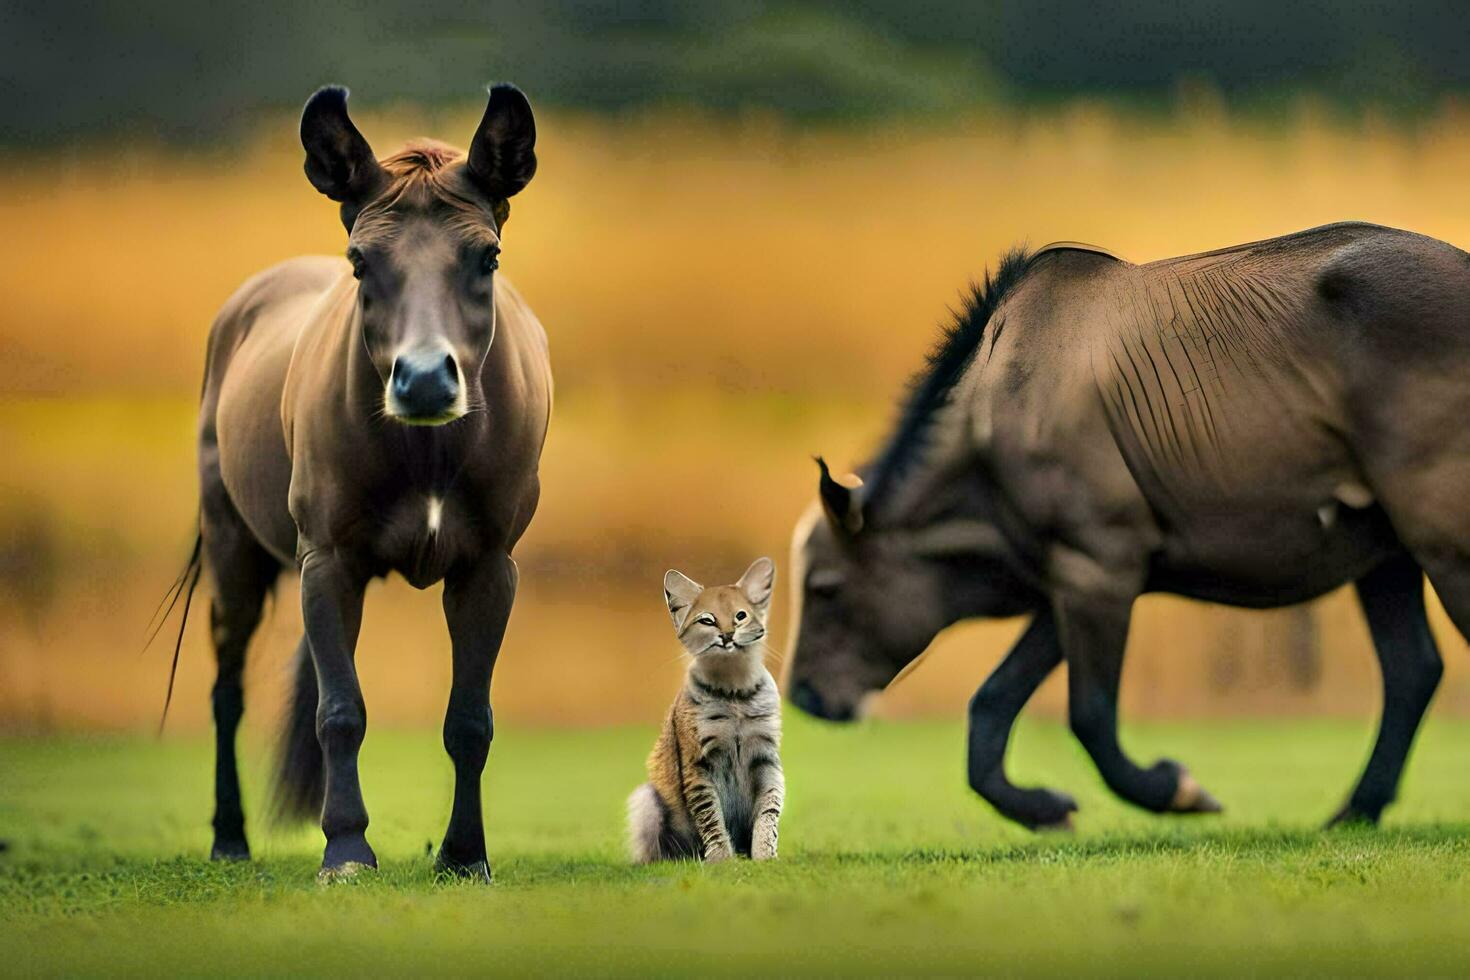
column 740, row 616
column 706, row 620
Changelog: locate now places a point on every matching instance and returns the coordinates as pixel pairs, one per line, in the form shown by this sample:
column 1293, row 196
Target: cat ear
column 680, row 591
column 757, row 582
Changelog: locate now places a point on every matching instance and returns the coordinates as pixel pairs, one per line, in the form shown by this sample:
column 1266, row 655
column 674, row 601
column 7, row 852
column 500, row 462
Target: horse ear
column 757, row 583
column 339, row 162
column 503, row 153
column 843, row 504
column 680, row 591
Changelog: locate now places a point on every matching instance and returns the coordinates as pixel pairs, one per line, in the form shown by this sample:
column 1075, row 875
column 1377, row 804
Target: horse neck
column 934, row 483
column 948, row 510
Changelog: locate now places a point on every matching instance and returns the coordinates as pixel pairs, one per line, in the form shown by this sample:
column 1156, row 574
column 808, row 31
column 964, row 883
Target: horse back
column 241, row 442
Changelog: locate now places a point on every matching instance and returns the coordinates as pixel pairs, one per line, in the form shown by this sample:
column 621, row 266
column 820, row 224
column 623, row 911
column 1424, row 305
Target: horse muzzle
column 425, row 388
column 807, row 698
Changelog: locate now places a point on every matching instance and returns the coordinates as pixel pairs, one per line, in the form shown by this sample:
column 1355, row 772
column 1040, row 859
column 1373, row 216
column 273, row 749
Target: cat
column 715, row 785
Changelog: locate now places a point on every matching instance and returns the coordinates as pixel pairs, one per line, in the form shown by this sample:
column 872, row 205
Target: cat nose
column 725, row 638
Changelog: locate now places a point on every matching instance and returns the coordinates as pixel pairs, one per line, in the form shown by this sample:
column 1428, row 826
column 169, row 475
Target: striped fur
column 715, row 786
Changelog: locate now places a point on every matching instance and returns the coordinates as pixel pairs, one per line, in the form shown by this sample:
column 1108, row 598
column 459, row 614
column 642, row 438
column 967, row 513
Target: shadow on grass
column 1237, row 842
column 41, row 883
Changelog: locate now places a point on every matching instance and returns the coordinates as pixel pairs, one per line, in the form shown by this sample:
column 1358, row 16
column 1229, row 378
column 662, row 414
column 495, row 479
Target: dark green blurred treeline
column 186, row 71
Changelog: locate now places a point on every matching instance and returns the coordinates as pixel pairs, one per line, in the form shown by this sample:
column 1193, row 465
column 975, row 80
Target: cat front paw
column 717, row 853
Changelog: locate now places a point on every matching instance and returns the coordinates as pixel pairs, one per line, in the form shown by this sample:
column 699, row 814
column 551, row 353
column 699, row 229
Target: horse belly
column 1266, row 558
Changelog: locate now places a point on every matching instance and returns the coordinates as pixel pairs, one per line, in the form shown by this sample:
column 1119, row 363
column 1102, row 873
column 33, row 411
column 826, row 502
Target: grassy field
column 888, row 865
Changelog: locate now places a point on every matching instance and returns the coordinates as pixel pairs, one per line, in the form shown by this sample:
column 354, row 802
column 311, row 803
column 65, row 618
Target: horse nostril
column 425, row 385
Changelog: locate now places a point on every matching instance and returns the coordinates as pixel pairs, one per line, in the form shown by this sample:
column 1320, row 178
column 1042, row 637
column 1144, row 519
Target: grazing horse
column 381, row 414
column 1253, row 426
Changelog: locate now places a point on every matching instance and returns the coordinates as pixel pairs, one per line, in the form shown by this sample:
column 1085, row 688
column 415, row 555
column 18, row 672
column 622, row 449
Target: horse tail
column 300, row 781
column 183, row 587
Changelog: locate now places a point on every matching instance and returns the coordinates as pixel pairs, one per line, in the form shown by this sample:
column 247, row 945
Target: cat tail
column 647, row 820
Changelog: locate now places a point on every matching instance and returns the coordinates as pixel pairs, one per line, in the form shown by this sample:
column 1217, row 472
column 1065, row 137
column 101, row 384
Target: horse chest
column 421, row 537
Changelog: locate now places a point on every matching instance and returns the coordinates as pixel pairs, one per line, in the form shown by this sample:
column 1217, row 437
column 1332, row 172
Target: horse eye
column 824, row 587
column 490, row 260
column 358, row 265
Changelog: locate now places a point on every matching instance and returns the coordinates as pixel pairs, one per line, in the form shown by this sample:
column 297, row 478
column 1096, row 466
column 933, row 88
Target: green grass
column 888, row 864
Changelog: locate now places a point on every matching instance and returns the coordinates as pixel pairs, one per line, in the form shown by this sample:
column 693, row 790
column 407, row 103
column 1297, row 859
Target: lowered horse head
column 870, row 593
column 880, row 565
column 424, row 229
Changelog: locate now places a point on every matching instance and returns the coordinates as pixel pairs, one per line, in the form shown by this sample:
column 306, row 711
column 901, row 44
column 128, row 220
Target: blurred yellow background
column 724, row 296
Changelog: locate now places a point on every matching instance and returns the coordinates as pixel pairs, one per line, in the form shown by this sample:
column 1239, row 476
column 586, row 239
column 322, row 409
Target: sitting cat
column 715, row 785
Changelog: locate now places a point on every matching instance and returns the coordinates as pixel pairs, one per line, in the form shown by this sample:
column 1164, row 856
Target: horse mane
column 422, row 174
column 929, row 390
column 420, row 159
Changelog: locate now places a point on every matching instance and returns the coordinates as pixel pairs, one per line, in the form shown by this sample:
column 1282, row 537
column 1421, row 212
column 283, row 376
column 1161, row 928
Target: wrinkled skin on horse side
column 1253, row 426
column 378, row 413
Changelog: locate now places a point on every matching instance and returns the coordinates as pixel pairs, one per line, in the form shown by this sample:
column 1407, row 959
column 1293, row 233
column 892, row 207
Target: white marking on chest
column 1352, row 494
column 436, row 513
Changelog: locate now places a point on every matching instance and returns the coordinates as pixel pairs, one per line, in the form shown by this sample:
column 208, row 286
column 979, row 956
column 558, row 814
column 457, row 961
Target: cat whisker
column 683, row 655
column 773, row 652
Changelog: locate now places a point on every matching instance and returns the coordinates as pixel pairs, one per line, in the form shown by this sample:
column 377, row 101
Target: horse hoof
column 1191, row 797
column 230, row 850
column 476, row 871
column 1046, row 809
column 1350, row 816
column 1062, row 826
column 344, row 872
column 345, row 857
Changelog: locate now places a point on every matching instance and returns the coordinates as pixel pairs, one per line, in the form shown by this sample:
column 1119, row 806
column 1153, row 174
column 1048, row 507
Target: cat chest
column 731, row 745
column 730, row 741
column 733, row 740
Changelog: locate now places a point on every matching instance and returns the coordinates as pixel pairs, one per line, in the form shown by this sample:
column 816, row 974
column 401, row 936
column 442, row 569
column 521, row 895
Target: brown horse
column 1254, row 426
column 380, row 414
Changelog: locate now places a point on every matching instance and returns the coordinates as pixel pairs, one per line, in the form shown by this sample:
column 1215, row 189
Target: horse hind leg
column 243, row 573
column 1392, row 597
column 1418, row 475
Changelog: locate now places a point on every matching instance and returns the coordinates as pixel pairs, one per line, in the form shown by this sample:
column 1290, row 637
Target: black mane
column 929, row 390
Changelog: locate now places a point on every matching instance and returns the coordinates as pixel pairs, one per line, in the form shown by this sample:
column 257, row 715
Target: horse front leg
column 1094, row 631
column 993, row 712
column 331, row 605
column 476, row 607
